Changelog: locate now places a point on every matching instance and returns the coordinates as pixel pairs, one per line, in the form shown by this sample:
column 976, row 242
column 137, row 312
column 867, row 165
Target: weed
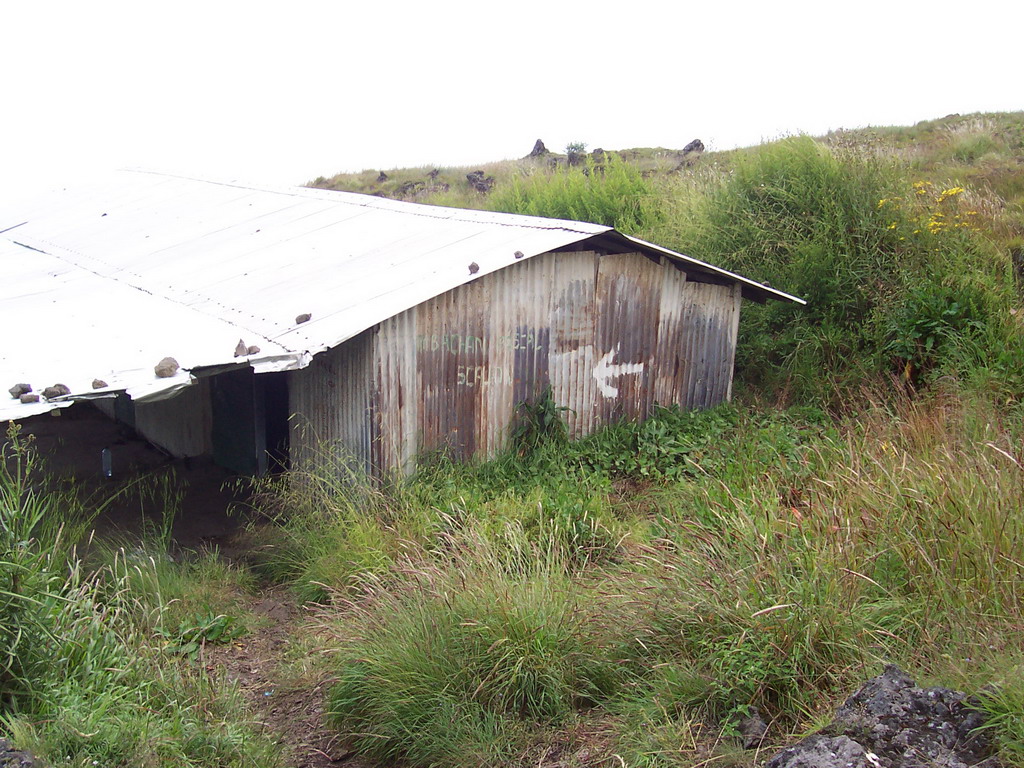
column 202, row 629
column 538, row 423
column 618, row 196
column 81, row 682
column 1003, row 702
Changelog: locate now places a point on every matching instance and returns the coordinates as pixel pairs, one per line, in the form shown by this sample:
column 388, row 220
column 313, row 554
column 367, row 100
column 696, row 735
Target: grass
column 613, row 193
column 627, row 597
column 736, row 559
column 453, row 661
column 87, row 678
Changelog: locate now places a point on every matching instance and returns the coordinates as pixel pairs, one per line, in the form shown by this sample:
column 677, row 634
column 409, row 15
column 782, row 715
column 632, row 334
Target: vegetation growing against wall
column 654, row 582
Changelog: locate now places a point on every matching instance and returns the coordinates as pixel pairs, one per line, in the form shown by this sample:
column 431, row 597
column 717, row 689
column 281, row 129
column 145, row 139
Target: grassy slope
column 907, row 242
column 984, row 151
column 97, row 664
column 635, row 593
column 632, row 595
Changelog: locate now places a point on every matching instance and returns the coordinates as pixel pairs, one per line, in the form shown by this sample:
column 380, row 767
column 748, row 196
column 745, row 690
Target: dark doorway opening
column 147, row 490
column 250, row 421
column 275, row 395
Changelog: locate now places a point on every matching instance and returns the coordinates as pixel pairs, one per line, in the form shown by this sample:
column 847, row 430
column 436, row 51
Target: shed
column 302, row 318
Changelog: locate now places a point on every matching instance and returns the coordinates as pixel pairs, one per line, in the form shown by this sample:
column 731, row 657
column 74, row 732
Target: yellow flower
column 893, row 225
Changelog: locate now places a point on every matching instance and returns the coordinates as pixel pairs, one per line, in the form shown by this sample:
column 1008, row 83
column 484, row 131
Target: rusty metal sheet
column 181, row 425
column 331, row 402
column 612, row 335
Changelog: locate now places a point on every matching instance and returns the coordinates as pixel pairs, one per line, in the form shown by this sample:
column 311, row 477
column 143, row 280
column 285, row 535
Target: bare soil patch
column 294, row 712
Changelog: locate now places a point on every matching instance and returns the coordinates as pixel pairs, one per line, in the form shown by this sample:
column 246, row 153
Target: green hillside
column 984, row 151
column 906, row 242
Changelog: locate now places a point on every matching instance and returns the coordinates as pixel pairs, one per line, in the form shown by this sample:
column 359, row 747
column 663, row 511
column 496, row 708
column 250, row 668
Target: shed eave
column 751, row 288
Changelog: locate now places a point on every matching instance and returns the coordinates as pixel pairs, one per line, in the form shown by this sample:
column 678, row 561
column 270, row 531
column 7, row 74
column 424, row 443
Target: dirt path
column 292, row 710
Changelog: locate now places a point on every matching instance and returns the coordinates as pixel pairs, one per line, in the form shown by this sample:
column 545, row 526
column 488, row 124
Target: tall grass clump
column 454, row 663
column 82, row 680
column 940, row 515
column 613, row 193
column 1003, row 702
column 895, row 549
column 326, row 526
column 897, row 276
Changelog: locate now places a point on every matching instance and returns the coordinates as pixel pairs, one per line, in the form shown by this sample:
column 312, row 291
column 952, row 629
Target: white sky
column 280, row 93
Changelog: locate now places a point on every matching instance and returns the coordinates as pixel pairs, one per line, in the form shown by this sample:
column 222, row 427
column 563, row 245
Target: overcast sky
column 280, row 93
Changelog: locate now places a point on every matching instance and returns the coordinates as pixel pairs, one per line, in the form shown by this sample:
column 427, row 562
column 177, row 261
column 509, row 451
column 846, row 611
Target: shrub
column 885, row 265
column 615, row 194
column 451, row 665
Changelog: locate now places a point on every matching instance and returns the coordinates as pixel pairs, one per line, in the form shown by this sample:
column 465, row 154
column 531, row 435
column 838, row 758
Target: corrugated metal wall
column 181, row 425
column 331, row 405
column 612, row 335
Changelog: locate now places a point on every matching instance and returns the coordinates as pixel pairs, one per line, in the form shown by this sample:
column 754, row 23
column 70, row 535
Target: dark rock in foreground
column 891, row 723
column 752, row 729
column 12, row 758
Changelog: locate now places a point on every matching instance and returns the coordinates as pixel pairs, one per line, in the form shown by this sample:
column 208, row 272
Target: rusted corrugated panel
column 729, row 301
column 708, row 344
column 397, row 392
column 612, row 335
column 182, row 425
column 331, row 405
column 628, row 308
column 688, row 334
column 734, row 333
column 728, row 311
column 671, row 362
column 573, row 325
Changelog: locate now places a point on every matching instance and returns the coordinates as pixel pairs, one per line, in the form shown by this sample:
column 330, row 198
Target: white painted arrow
column 605, row 371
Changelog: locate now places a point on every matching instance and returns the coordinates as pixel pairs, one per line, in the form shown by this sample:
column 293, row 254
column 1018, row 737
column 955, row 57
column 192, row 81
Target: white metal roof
column 104, row 282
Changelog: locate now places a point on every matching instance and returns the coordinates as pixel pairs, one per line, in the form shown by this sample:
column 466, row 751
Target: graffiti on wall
column 606, row 369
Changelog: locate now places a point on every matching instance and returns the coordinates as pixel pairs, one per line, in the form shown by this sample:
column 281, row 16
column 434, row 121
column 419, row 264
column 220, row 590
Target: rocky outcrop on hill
column 891, row 723
column 478, row 181
column 539, row 150
column 695, row 146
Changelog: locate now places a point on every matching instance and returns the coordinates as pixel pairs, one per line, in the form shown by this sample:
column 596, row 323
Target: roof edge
column 586, row 230
column 751, row 288
column 366, row 200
